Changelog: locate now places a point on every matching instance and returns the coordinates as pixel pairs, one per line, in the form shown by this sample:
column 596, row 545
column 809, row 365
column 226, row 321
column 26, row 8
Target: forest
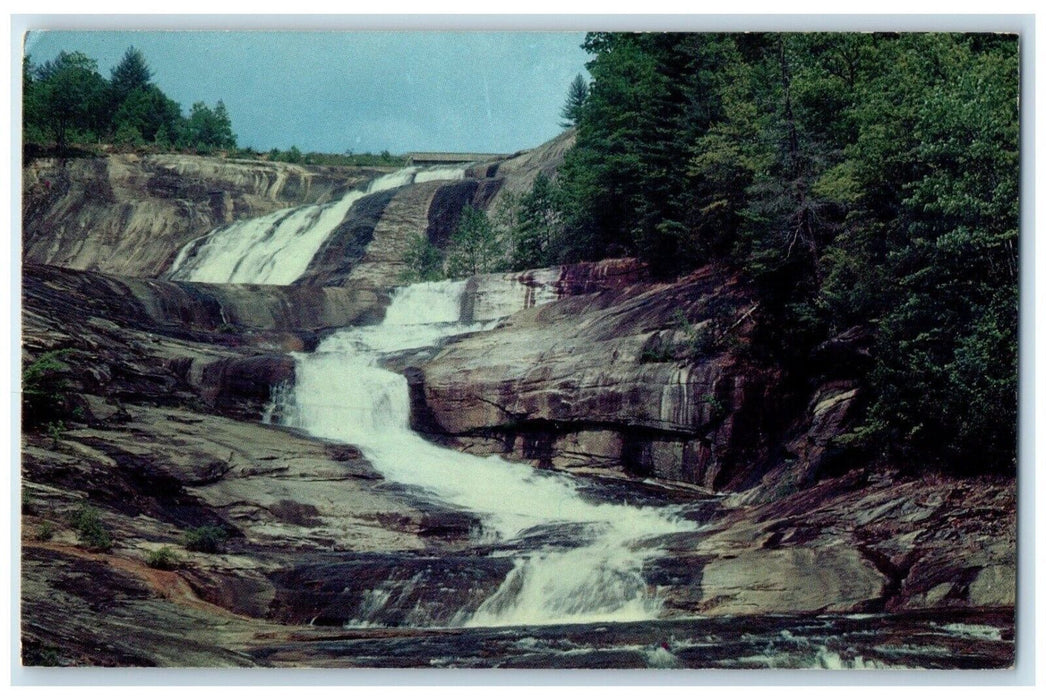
column 863, row 184
column 67, row 101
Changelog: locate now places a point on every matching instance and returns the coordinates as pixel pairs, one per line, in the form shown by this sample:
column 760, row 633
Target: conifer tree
column 576, row 96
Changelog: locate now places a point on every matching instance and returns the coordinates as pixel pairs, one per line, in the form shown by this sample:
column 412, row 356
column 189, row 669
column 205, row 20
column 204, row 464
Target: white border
column 1032, row 393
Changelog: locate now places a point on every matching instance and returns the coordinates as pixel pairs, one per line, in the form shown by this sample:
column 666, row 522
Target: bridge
column 454, row 158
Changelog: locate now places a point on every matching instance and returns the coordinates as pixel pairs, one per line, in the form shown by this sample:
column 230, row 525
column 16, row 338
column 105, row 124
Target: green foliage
column 40, row 655
column 66, row 101
column 131, row 74
column 66, row 97
column 55, row 430
column 207, row 129
column 164, row 558
column 206, row 538
column 474, row 247
column 44, row 388
column 576, row 96
column 90, row 529
column 537, row 229
column 128, row 135
column 424, row 260
column 651, row 95
column 866, row 180
column 348, row 159
column 45, row 532
column 657, row 349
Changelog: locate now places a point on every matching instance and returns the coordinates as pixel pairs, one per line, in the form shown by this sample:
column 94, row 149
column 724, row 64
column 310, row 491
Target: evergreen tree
column 207, row 129
column 537, row 226
column 576, row 96
column 473, row 246
column 424, row 260
column 130, row 74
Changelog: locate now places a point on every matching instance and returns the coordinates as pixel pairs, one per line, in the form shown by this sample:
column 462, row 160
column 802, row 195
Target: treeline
column 865, row 184
column 67, row 101
column 295, row 155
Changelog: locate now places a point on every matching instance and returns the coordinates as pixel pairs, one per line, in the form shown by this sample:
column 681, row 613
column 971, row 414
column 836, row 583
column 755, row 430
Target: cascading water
column 342, row 393
column 277, row 248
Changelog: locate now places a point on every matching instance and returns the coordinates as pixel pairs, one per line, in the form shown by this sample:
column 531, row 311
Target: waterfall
column 277, row 248
column 342, row 393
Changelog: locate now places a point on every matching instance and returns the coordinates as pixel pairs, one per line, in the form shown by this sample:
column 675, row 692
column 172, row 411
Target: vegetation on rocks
column 43, row 390
column 205, row 538
column 91, row 531
column 164, row 558
column 856, row 181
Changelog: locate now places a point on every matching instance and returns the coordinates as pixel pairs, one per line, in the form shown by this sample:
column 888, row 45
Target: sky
column 491, row 92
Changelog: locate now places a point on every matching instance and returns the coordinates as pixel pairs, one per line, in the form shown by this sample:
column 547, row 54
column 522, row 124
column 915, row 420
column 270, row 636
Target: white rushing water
column 341, row 393
column 277, row 248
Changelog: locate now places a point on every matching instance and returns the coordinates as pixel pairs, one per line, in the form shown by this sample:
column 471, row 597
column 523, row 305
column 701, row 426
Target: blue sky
column 364, row 91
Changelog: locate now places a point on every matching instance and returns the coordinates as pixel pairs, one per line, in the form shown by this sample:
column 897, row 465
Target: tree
column 473, row 246
column 150, row 112
column 576, row 95
column 537, row 226
column 130, row 74
column 68, row 95
column 207, row 129
column 623, row 192
column 940, row 212
column 424, row 260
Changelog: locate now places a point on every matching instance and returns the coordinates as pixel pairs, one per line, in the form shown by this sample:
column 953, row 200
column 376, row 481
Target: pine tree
column 576, row 96
column 473, row 247
column 130, row 74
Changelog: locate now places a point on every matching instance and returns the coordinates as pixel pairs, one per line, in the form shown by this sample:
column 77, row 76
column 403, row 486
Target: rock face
column 129, row 215
column 864, row 543
column 188, row 308
column 630, row 377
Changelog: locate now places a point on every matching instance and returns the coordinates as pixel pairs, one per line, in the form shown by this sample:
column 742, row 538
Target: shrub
column 43, row 388
column 55, row 430
column 45, row 531
column 206, row 538
column 657, row 350
column 164, row 558
column 90, row 530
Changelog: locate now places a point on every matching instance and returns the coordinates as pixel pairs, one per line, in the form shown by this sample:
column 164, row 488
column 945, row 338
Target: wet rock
column 129, row 215
column 217, row 313
column 386, row 590
column 347, row 244
column 570, row 384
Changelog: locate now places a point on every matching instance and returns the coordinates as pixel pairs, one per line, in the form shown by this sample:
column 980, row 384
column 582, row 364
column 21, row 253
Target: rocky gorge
column 163, row 416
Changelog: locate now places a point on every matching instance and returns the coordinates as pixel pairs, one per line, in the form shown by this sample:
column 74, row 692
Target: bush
column 45, row 531
column 164, row 558
column 657, row 349
column 43, row 388
column 206, row 538
column 90, row 530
